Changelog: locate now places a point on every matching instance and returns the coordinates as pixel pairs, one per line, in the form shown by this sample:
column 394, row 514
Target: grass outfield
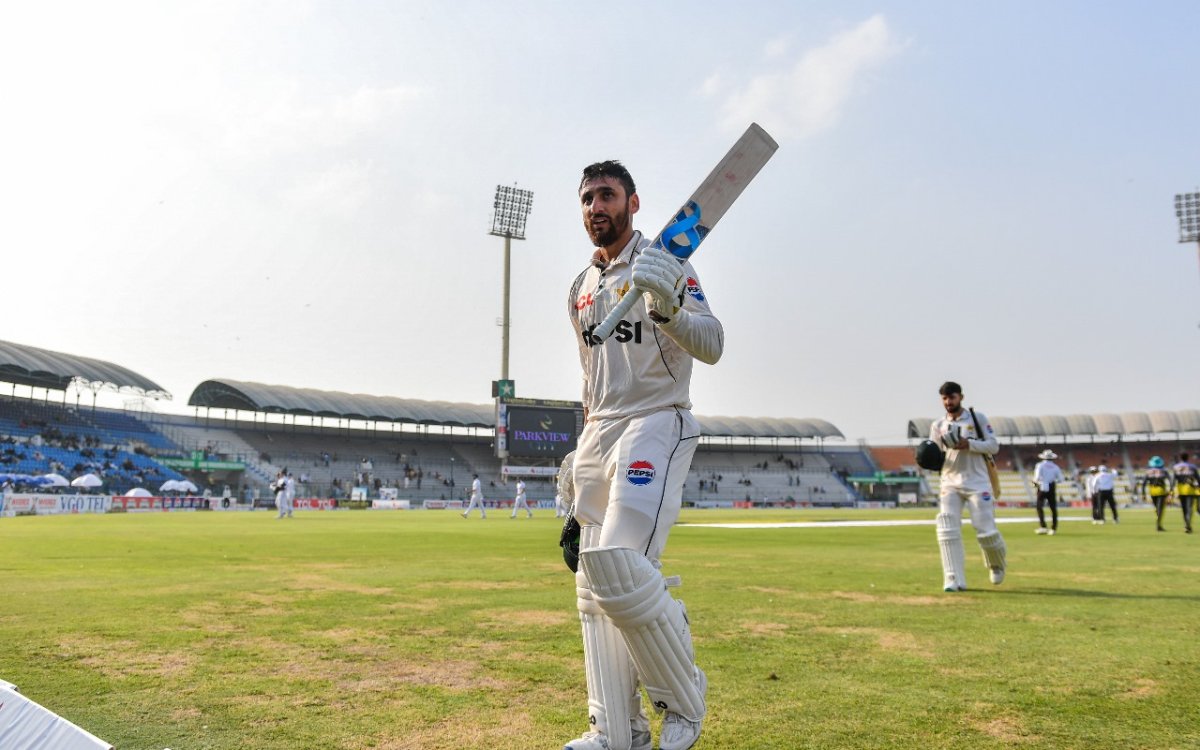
column 421, row 630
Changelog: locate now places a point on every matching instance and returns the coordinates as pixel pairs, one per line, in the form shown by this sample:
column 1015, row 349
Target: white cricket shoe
column 679, row 733
column 597, row 741
column 1051, row 532
column 997, row 576
column 1042, row 530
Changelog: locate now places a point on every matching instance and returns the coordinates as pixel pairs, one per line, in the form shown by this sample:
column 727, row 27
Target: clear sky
column 299, row 193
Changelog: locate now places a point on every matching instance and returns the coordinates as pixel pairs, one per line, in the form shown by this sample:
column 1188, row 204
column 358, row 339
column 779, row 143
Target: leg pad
column 633, row 594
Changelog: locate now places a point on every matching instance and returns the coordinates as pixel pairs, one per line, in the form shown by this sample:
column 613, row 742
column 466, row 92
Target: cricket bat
column 697, row 217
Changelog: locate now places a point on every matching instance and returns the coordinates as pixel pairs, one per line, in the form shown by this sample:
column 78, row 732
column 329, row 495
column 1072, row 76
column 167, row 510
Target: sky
column 299, row 193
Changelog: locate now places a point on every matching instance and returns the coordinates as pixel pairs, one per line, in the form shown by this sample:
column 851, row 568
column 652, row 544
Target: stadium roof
column 41, row 368
column 1129, row 423
column 767, row 427
column 282, row 399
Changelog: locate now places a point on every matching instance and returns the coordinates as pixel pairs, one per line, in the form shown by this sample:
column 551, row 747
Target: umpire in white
column 969, row 442
column 1046, row 476
column 630, row 465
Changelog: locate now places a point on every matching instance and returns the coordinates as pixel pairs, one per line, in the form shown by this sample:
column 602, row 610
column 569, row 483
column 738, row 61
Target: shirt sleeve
column 694, row 327
column 987, row 442
column 576, row 326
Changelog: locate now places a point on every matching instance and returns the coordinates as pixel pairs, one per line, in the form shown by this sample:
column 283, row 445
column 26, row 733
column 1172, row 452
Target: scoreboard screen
column 537, row 429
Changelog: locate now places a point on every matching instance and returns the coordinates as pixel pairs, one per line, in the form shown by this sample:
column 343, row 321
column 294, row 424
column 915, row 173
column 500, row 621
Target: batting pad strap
column 634, row 596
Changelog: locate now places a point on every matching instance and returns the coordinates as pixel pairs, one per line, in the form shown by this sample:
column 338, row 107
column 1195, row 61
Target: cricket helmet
column 930, row 456
column 1156, row 462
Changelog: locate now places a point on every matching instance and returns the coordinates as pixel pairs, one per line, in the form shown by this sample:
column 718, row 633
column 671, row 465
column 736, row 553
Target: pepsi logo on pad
column 693, row 289
column 640, row 473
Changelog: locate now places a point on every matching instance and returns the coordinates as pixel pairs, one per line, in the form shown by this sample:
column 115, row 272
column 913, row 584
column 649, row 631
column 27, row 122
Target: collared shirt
column 1105, row 480
column 1045, row 473
column 520, row 487
column 967, row 469
column 477, row 488
column 643, row 366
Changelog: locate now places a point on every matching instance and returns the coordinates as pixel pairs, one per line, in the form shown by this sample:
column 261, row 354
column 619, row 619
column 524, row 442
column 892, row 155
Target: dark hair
column 950, row 387
column 1183, row 457
column 611, row 168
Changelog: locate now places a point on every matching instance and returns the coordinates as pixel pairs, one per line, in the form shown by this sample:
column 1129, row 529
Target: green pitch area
column 395, row 630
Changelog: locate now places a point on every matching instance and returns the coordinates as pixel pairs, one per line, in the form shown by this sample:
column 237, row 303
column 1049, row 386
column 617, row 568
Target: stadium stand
column 429, row 450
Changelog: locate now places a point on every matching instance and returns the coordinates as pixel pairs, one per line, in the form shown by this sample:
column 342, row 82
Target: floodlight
column 1187, row 209
column 512, row 207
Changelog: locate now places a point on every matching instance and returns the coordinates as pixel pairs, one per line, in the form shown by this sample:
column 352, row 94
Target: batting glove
column 660, row 275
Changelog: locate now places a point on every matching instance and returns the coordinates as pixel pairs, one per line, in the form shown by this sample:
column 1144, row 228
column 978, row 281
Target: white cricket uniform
column 290, row 495
column 637, row 445
column 476, row 499
column 965, row 481
column 520, row 501
column 1045, row 473
column 965, row 475
column 629, row 468
column 280, row 488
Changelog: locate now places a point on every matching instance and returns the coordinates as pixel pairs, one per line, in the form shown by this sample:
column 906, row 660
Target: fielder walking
column 1157, row 483
column 520, row 501
column 629, row 468
column 969, row 442
column 280, row 488
column 476, row 498
column 1187, row 488
column 1047, row 475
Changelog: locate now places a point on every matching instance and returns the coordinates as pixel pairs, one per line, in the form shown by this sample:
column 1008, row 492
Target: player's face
column 952, row 402
column 607, row 211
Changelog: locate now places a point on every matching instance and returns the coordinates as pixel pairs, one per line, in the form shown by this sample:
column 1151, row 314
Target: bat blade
column 708, row 204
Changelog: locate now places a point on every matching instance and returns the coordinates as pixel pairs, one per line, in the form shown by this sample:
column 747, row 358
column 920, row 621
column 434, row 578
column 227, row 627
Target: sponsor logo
column 534, row 436
column 640, row 473
column 989, row 428
column 986, row 497
column 694, row 290
column 584, row 301
column 624, row 333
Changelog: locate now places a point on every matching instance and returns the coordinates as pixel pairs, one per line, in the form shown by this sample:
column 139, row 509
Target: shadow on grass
column 1105, row 594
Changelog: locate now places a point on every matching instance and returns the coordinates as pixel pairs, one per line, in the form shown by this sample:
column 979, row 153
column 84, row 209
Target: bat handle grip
column 601, row 333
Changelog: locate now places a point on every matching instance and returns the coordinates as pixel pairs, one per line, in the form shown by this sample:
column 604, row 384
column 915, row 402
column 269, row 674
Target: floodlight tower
column 512, row 207
column 1187, row 208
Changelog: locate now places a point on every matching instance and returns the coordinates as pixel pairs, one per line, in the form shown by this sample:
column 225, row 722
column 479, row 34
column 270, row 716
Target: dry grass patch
column 473, row 585
column 125, row 658
column 1005, row 728
column 887, row 640
column 316, row 582
column 765, row 628
column 1140, row 690
column 539, row 618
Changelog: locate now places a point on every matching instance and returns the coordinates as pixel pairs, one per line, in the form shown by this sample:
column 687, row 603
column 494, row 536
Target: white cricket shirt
column 967, row 469
column 643, row 366
column 1046, row 472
